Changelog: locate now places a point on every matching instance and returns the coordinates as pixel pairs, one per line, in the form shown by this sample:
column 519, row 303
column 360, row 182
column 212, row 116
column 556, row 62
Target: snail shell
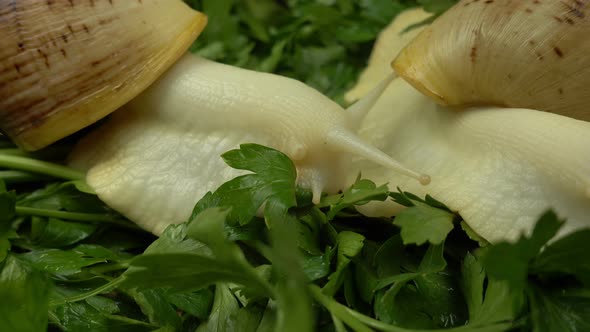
column 66, row 64
column 529, row 54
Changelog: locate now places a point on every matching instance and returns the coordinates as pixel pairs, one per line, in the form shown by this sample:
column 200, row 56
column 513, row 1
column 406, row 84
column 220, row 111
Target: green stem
column 80, row 297
column 101, row 269
column 74, row 216
column 41, row 167
column 55, row 320
column 336, row 310
column 13, row 152
column 20, row 177
column 360, row 322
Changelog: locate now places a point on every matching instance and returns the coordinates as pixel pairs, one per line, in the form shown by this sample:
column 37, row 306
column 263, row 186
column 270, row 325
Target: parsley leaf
column 510, row 261
column 25, row 296
column 273, row 178
column 423, row 223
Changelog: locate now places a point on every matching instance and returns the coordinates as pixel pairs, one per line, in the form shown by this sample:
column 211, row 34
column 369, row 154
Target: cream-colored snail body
column 499, row 168
column 525, row 53
column 66, row 64
column 155, row 158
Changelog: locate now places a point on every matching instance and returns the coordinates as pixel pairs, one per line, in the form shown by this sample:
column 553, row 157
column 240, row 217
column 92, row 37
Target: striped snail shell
column 66, row 64
column 527, row 54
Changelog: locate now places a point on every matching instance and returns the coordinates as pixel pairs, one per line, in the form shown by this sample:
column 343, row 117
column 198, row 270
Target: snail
column 161, row 152
column 156, row 157
column 501, row 164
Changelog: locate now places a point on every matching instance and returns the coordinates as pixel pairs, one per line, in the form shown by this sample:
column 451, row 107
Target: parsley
column 256, row 254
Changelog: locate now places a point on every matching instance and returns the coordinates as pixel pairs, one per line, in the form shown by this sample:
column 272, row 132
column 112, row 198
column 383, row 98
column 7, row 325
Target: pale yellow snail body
column 155, row 158
column 66, row 64
column 500, row 168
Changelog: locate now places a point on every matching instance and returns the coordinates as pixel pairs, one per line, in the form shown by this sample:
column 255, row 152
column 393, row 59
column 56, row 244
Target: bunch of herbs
column 70, row 263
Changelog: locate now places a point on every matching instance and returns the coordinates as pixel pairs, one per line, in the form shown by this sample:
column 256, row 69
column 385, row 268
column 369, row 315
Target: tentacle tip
column 424, row 179
column 316, row 198
column 316, row 194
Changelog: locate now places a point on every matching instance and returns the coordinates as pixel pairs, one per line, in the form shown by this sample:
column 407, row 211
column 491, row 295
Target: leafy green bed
column 70, row 263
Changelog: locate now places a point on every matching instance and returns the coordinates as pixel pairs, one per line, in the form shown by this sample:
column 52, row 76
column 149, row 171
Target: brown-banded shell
column 64, row 64
column 513, row 53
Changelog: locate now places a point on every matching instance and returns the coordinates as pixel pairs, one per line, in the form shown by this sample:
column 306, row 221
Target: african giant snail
column 67, row 64
column 493, row 154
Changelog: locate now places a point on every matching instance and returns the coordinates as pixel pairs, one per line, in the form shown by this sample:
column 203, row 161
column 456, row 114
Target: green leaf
column 473, row 235
column 196, row 303
column 488, row 300
column 224, row 306
column 25, row 296
column 316, row 267
column 7, row 208
column 510, row 261
column 422, row 223
column 154, row 304
column 175, row 240
column 246, row 319
column 225, row 262
column 349, row 245
column 423, row 286
column 186, row 272
column 7, row 213
column 81, row 316
column 268, row 322
column 56, row 233
column 433, row 260
column 388, row 258
column 294, row 312
column 103, row 304
column 64, row 196
column 98, row 251
column 274, row 178
column 568, row 255
column 361, row 192
column 4, row 249
column 472, row 283
column 429, row 301
column 559, row 310
column 60, row 262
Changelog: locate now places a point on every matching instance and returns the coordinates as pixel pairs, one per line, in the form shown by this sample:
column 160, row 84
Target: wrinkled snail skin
column 66, row 64
column 526, row 53
column 499, row 168
column 166, row 143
